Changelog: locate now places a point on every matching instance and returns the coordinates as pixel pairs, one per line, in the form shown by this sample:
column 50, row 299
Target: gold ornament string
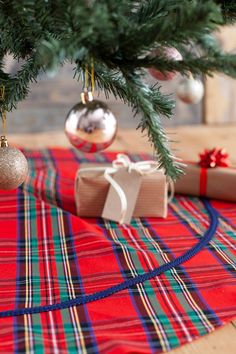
column 86, row 78
column 2, row 111
column 92, row 76
column 4, row 122
column 88, row 82
column 2, row 93
column 89, row 77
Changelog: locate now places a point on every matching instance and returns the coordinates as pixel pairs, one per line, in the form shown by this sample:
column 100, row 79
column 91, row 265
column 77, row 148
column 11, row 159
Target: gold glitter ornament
column 13, row 166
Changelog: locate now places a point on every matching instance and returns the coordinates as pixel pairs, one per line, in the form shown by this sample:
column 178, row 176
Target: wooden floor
column 192, row 140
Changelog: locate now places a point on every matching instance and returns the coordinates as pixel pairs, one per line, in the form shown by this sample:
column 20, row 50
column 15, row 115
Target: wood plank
column 219, row 103
column 222, row 340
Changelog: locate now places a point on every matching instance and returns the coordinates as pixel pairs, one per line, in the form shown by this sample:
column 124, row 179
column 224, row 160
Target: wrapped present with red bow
column 211, row 177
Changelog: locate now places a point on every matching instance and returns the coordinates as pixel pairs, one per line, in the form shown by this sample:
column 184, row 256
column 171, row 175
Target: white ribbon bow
column 123, row 161
column 142, row 167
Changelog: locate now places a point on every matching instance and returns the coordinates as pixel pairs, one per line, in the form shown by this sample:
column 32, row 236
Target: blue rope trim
column 80, row 300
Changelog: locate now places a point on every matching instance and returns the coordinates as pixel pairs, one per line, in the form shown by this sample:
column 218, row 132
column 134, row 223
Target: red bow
column 214, row 158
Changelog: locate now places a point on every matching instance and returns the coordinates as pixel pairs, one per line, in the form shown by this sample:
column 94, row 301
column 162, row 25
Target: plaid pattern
column 48, row 255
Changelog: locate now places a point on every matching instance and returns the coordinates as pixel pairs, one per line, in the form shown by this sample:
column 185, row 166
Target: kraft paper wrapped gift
column 92, row 188
column 217, row 183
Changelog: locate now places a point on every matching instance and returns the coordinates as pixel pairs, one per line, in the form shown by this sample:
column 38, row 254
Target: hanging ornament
column 190, row 91
column 170, row 53
column 13, row 164
column 90, row 125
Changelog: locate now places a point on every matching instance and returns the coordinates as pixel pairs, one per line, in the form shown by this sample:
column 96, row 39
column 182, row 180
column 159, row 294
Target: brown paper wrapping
column 91, row 190
column 220, row 183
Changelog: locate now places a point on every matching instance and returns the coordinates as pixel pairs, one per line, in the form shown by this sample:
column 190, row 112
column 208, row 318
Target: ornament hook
column 4, row 142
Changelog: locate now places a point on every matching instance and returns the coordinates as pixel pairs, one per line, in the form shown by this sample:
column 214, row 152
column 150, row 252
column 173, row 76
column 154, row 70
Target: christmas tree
column 119, row 37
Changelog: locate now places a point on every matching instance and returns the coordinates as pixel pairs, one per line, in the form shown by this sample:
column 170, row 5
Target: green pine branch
column 120, row 36
column 228, row 8
column 151, row 104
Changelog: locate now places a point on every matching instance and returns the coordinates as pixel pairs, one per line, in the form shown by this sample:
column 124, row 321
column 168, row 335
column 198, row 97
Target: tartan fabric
column 48, row 255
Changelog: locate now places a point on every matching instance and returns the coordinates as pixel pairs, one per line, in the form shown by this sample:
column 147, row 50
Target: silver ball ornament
column 13, row 166
column 90, row 126
column 190, row 91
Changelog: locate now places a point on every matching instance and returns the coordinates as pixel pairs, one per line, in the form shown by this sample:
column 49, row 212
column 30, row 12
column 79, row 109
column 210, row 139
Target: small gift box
column 211, row 177
column 122, row 190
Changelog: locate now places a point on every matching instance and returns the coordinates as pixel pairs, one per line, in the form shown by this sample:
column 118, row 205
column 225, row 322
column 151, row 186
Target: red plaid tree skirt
column 48, row 255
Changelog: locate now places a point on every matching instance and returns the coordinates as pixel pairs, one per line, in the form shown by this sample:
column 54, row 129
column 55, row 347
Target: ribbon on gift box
column 123, row 162
column 216, row 157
